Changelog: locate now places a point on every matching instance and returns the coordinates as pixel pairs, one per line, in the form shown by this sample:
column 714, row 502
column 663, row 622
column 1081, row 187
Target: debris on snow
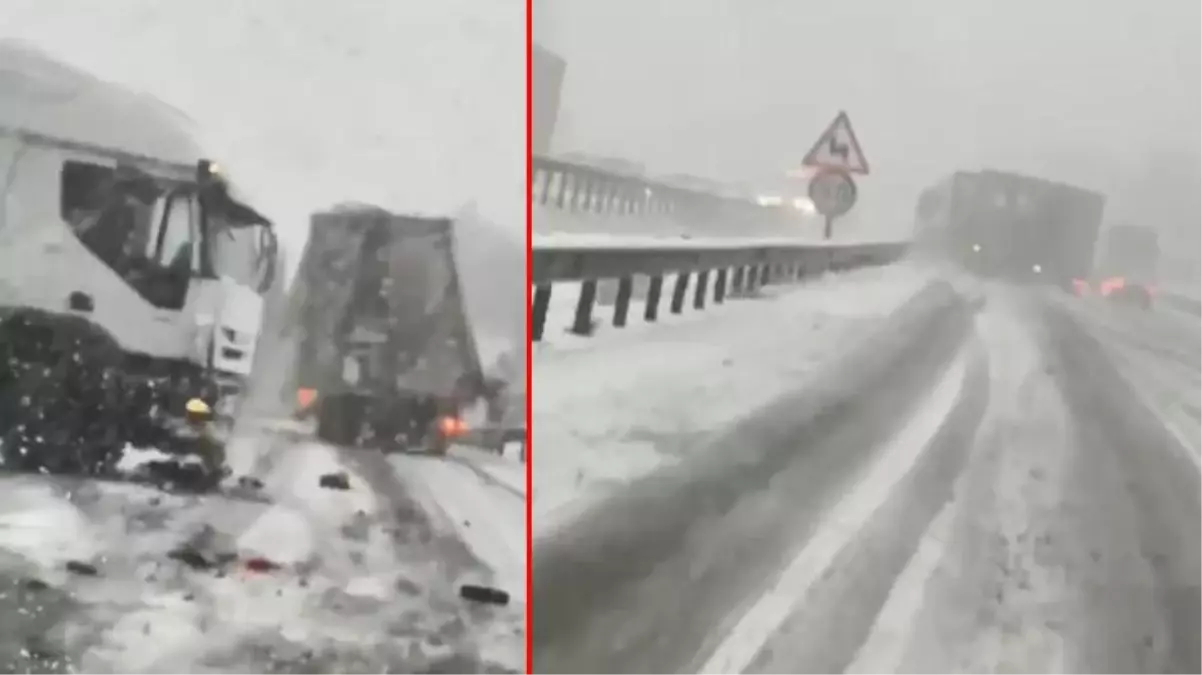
column 485, row 594
column 335, row 481
column 82, row 568
column 260, row 564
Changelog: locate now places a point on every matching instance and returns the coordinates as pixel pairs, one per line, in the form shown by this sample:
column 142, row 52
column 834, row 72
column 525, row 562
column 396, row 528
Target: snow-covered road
column 359, row 580
column 1015, row 500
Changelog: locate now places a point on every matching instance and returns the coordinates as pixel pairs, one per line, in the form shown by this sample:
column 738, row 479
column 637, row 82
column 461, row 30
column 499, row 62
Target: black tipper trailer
column 1011, row 226
column 380, row 331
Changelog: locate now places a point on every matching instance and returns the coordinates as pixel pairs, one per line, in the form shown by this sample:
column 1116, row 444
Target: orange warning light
column 451, row 427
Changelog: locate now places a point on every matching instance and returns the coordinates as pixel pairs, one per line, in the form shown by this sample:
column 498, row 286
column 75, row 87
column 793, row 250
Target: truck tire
column 340, row 419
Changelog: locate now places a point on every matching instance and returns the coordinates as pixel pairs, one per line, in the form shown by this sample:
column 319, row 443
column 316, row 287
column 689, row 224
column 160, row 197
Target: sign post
column 836, row 155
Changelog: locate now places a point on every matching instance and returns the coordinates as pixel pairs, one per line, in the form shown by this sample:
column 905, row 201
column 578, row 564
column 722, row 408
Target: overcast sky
column 416, row 106
column 1078, row 90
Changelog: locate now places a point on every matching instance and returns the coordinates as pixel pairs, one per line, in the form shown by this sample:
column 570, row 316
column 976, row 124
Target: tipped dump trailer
column 384, row 353
column 1011, row 226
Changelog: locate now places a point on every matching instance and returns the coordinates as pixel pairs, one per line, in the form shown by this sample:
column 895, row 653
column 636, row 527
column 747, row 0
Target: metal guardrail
column 617, row 273
column 737, row 270
column 1182, row 303
column 577, row 187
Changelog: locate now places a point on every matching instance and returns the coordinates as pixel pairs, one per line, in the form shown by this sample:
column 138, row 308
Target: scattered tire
column 484, row 594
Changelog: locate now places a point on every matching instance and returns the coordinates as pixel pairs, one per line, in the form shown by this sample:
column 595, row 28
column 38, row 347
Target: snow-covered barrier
column 613, row 271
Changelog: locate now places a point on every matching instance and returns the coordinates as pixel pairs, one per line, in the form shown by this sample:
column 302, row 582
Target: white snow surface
column 617, row 405
column 858, row 504
column 1009, row 494
column 135, row 616
column 481, row 504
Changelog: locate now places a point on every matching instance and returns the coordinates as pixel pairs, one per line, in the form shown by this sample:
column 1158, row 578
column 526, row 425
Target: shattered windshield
column 241, row 252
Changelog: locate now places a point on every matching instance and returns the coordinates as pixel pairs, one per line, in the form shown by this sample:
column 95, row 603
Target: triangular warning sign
column 837, row 149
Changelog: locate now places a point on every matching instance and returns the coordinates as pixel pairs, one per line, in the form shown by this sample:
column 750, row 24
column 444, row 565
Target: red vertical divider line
column 529, row 344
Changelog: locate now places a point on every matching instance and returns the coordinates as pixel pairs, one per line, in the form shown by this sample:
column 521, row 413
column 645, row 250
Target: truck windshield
column 241, row 251
column 239, row 242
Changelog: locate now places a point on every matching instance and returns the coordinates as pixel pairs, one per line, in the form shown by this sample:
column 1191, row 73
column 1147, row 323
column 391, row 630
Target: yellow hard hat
column 196, row 406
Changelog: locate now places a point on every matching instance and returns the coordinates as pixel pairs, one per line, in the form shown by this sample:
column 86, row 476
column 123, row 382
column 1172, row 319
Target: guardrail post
column 765, row 271
column 583, row 323
column 720, row 287
column 703, row 278
column 538, row 311
column 655, row 288
column 753, row 279
column 607, row 198
column 736, row 284
column 580, row 193
column 678, row 291
column 622, row 302
column 561, row 189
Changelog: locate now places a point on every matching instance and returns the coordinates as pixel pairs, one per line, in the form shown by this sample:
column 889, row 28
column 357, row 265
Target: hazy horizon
column 1103, row 94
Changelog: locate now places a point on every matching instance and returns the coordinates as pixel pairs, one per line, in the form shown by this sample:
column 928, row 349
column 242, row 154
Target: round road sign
column 833, row 193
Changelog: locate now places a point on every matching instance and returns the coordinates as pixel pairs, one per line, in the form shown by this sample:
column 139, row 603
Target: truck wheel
column 340, row 419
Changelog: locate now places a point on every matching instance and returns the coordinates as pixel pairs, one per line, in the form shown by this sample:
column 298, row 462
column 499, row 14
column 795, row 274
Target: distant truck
column 1010, row 226
column 384, row 354
column 1127, row 266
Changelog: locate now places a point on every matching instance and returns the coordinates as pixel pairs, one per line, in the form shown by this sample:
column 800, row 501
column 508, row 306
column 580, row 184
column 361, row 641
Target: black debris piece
column 250, row 483
column 485, row 594
column 335, row 481
column 39, row 649
column 86, row 569
column 35, row 585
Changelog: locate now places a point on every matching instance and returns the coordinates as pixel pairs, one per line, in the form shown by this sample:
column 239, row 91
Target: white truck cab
column 110, row 214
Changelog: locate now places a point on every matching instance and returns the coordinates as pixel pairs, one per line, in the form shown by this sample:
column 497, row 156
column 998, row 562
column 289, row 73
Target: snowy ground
column 1047, row 533
column 362, row 580
column 608, row 408
column 850, row 514
column 1030, row 513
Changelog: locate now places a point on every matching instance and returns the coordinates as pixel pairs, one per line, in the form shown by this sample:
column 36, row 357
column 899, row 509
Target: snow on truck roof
column 41, row 96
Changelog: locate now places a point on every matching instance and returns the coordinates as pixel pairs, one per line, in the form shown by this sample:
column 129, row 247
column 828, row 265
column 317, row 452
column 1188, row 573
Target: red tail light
column 451, row 427
column 1108, row 286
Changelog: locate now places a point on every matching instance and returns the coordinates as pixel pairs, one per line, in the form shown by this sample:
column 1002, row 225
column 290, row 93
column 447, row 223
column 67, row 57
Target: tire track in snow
column 996, row 599
column 1041, row 563
column 762, row 622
